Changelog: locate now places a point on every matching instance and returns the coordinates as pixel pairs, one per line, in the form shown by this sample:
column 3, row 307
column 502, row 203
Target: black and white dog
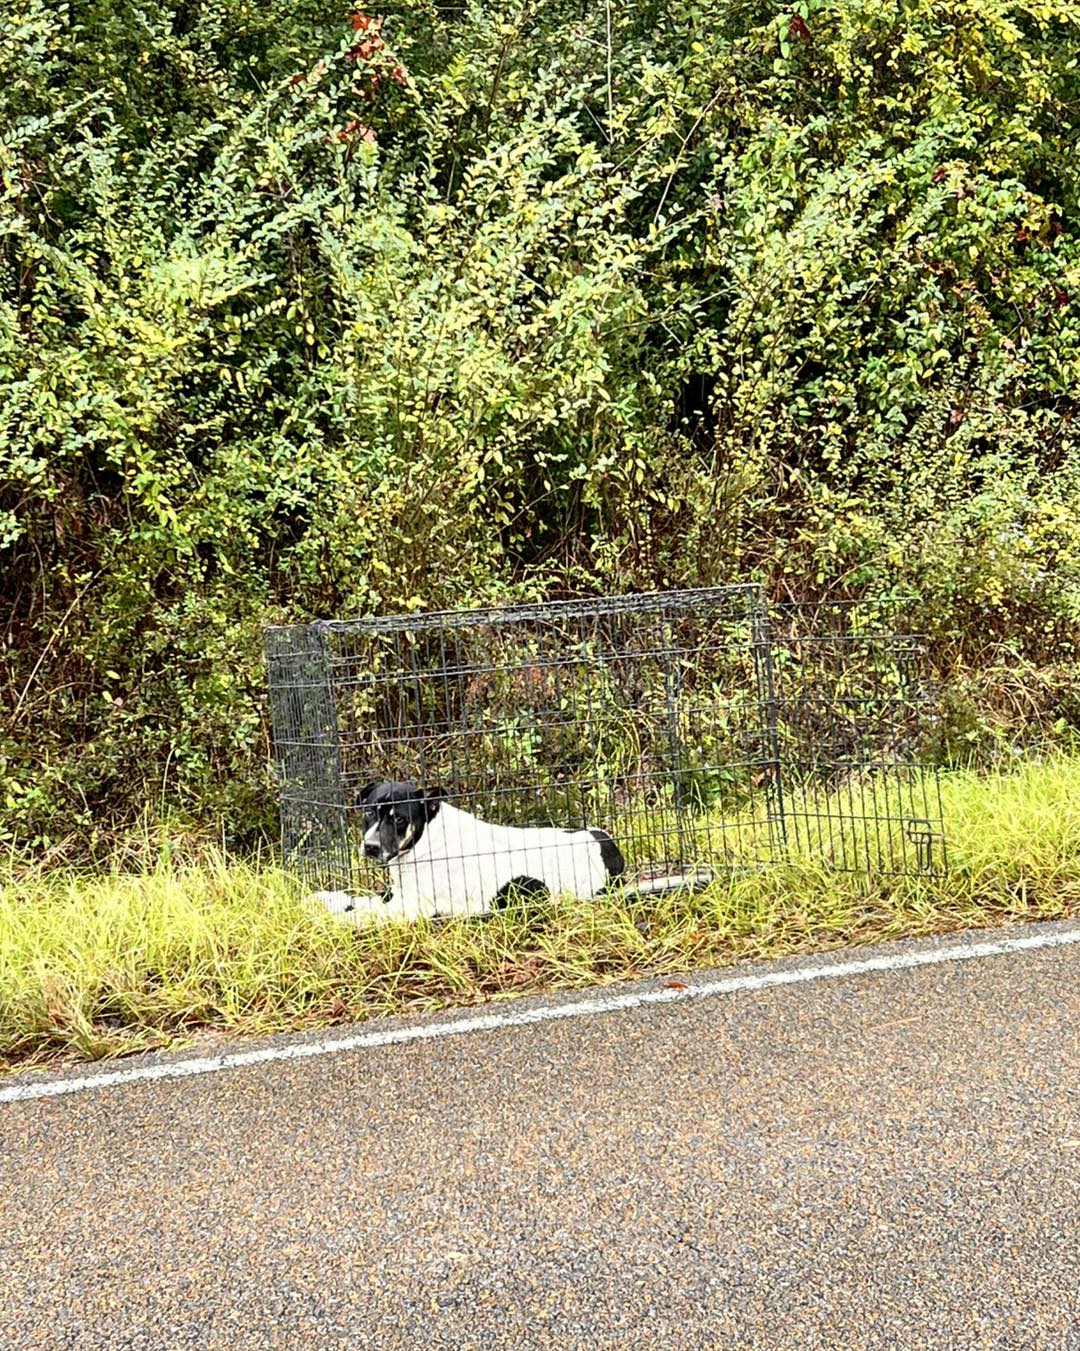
column 444, row 861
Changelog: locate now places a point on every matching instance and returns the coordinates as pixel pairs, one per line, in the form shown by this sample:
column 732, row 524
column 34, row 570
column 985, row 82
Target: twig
column 685, row 142
column 610, row 97
column 48, row 647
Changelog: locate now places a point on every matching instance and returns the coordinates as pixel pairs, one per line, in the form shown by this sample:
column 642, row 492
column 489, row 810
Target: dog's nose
column 371, row 851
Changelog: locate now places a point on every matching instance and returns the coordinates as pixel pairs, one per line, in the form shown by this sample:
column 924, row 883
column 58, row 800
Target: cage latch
column 922, row 835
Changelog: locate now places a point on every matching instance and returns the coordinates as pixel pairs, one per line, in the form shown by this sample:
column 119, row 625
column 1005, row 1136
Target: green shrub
column 303, row 316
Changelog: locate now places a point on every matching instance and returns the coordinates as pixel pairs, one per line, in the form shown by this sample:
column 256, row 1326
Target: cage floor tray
column 660, row 881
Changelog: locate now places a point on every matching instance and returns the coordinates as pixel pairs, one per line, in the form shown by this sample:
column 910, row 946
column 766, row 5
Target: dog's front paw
column 334, row 902
column 346, row 907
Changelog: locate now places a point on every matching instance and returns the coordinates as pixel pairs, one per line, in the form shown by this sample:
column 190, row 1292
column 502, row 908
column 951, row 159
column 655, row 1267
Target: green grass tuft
column 193, row 943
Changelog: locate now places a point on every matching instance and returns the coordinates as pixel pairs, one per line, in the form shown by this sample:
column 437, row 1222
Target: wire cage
column 855, row 718
column 703, row 733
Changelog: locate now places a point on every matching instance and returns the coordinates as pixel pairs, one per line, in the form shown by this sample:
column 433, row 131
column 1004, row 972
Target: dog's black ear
column 433, row 798
column 364, row 793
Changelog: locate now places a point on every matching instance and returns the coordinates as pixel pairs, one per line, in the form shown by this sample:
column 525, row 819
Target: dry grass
column 152, row 955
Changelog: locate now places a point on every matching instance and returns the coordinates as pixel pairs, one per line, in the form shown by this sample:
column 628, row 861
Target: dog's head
column 395, row 815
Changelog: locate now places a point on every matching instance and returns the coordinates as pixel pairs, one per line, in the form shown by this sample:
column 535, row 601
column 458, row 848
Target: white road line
column 182, row 1069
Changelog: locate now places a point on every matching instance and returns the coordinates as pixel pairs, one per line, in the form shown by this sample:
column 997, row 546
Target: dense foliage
column 304, row 311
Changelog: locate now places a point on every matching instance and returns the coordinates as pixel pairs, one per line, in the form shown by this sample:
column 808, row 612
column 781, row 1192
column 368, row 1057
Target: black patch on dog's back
column 610, row 854
column 520, row 891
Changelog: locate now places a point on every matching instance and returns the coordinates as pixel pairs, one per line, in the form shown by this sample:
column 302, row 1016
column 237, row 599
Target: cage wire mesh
column 855, row 717
column 702, row 732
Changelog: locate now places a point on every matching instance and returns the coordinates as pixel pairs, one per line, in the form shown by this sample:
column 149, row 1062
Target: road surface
column 874, row 1159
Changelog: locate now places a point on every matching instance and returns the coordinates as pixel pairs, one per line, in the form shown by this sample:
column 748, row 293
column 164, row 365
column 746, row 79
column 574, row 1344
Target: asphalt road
column 877, row 1160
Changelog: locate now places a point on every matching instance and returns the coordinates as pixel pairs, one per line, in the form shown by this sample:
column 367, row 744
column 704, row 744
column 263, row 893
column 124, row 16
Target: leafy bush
column 303, row 313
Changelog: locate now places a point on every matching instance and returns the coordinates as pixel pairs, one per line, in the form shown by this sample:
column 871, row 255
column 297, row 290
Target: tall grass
column 193, row 942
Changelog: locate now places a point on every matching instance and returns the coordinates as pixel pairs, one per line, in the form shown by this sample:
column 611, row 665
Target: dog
column 443, row 861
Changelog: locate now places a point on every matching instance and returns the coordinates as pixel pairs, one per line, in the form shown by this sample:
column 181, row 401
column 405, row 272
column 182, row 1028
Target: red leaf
column 363, row 51
column 797, row 27
column 675, row 985
column 354, row 128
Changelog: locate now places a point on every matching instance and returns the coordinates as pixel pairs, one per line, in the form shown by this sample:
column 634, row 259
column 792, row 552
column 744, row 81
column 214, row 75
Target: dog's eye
column 401, row 823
